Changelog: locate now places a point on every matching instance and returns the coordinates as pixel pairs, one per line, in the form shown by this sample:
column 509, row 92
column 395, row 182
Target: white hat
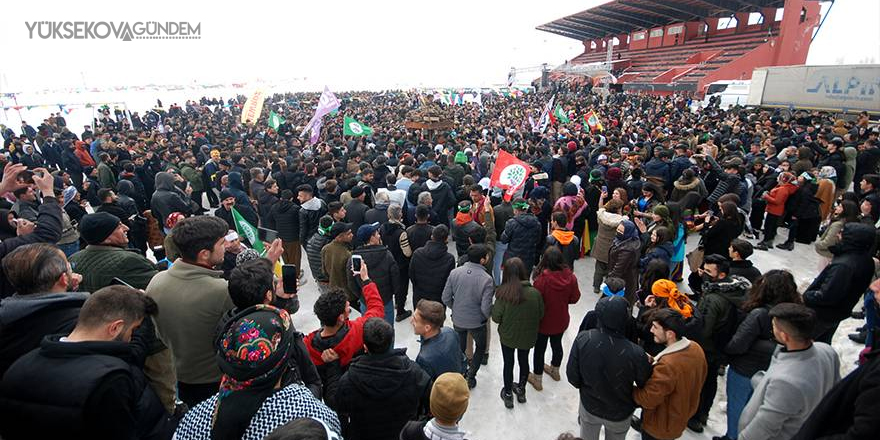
column 576, row 180
column 438, row 147
column 601, row 157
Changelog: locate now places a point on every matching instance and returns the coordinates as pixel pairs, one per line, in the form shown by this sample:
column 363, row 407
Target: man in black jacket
column 90, row 383
column 356, row 209
column 394, row 237
column 383, row 389
column 42, row 305
column 604, row 365
column 419, row 233
column 284, row 218
column 836, row 289
column 385, row 272
column 253, row 283
column 521, row 234
column 310, row 212
column 313, row 253
column 430, row 266
column 443, row 199
column 464, row 227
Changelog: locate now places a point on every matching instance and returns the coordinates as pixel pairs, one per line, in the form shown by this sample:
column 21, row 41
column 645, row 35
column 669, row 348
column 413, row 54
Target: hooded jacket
column 380, row 393
column 567, row 242
column 284, row 218
column 842, row 283
column 443, row 199
column 463, row 227
column 310, row 214
column 383, row 271
column 558, row 289
column 522, row 233
column 623, row 260
column 682, row 186
column 242, row 202
column 168, row 199
column 429, row 269
column 604, row 365
column 718, row 297
column 313, row 253
column 26, row 319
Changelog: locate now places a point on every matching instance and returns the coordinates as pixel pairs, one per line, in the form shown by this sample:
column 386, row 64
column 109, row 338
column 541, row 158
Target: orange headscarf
column 676, row 300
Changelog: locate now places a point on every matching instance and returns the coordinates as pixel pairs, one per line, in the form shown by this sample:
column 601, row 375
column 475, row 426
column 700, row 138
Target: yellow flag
column 250, row 113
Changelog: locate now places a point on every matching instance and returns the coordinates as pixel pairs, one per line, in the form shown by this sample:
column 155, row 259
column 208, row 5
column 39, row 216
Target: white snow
column 555, row 409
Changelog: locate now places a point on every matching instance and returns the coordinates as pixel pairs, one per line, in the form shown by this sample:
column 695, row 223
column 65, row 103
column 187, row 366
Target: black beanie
column 95, row 228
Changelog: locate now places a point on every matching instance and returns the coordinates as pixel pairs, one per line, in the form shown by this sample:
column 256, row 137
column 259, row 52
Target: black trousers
column 193, row 394
column 400, row 295
column 212, row 196
column 522, row 357
column 770, row 225
column 707, row 394
column 479, row 335
column 541, row 347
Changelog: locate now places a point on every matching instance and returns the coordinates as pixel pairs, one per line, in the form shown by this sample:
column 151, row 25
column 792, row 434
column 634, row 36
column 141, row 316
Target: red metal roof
column 624, row 16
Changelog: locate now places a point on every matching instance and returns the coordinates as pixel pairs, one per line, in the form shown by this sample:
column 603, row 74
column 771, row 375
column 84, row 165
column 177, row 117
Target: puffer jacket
column 168, row 199
column 429, row 268
column 284, row 218
column 383, row 271
column 662, row 251
column 608, row 222
column 604, row 365
column 567, row 242
column 310, row 214
column 313, row 253
column 463, row 227
column 522, row 233
column 842, row 283
column 715, row 305
column 752, row 346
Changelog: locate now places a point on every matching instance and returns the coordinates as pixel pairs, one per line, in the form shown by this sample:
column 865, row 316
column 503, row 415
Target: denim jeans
column 739, row 391
column 500, row 249
column 389, row 312
column 69, row 248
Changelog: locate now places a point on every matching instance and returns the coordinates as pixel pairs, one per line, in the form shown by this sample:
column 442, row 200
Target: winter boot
column 536, row 381
column 520, row 391
column 788, row 246
column 764, row 246
column 507, row 397
column 552, row 371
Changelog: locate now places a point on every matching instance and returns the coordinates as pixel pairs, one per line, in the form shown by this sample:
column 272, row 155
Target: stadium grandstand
column 683, row 46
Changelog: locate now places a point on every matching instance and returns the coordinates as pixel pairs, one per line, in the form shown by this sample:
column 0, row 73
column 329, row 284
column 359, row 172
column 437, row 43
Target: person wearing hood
column 835, row 291
column 522, row 234
column 441, row 194
column 386, row 273
column 722, row 296
column 268, row 198
column 85, row 159
column 563, row 238
column 623, row 258
column 46, row 301
column 606, row 368
column 463, row 227
column 449, row 401
column 168, row 198
column 125, row 197
column 284, row 218
column 383, row 389
column 558, row 287
column 688, row 182
column 242, row 202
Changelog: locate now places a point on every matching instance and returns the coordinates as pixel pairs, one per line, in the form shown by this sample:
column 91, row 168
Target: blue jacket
column 242, row 202
column 441, row 354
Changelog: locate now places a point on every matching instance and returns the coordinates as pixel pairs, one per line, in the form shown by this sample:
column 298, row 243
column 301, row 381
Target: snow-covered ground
column 554, row 410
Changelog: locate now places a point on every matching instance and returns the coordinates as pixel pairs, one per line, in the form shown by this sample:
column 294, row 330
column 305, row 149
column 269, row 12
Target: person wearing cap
column 672, row 392
column 522, row 234
column 605, row 367
column 386, row 273
column 448, row 402
column 106, row 256
column 252, row 352
column 335, row 257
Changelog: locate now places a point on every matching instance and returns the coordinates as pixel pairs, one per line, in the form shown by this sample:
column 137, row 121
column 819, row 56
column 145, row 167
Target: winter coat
column 379, row 214
column 429, row 269
column 383, row 271
column 418, row 235
column 468, row 292
column 660, row 170
column 603, row 365
column 836, row 160
column 355, row 211
column 335, row 258
column 805, row 204
column 716, row 239
column 441, row 353
column 518, row 323
column 265, row 204
column 105, row 176
column 430, row 430
column 837, row 289
column 786, row 394
column 168, row 199
column 663, row 251
column 777, row 197
column 825, row 193
column 522, row 234
column 313, row 254
column 99, row 264
column 461, row 233
column 715, row 307
column 850, row 410
column 310, row 214
column 48, row 230
column 192, row 176
column 623, row 263
column 608, row 223
column 672, row 394
column 380, row 393
column 745, row 269
column 284, row 218
column 751, row 347
column 242, row 201
column 567, row 242
column 443, row 200
column 681, row 187
column 26, row 319
column 829, row 238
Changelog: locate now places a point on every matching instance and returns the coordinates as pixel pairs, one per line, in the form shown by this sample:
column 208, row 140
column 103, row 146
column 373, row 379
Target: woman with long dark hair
column 845, row 212
column 559, row 288
column 623, row 258
column 518, row 311
column 752, row 346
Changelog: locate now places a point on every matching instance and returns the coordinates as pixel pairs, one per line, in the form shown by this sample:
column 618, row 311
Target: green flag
column 275, row 120
column 350, row 127
column 560, row 115
column 247, row 231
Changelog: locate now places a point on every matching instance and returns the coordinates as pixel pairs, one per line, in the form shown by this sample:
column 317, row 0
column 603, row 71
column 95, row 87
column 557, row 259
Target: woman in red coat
column 559, row 288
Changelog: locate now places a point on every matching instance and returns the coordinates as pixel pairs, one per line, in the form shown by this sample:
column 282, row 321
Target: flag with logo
column 509, row 174
column 248, row 231
column 593, row 121
column 275, row 120
column 545, row 115
column 351, row 127
column 326, row 104
column 559, row 115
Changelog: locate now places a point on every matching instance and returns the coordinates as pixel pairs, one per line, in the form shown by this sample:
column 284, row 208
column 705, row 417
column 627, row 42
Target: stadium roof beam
column 670, row 14
column 645, row 20
column 605, row 16
column 599, row 26
column 576, row 33
column 560, row 32
column 688, row 10
column 728, row 6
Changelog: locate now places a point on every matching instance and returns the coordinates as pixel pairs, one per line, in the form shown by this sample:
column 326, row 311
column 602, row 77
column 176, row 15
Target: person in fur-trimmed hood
column 688, row 182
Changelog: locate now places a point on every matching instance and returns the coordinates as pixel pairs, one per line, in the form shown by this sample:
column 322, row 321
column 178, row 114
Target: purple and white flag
column 326, row 104
column 316, row 131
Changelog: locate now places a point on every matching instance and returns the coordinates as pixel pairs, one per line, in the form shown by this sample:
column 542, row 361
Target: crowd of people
column 132, row 308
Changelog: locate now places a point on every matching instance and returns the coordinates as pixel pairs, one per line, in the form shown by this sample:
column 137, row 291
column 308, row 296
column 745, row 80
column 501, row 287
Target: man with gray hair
column 393, row 234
